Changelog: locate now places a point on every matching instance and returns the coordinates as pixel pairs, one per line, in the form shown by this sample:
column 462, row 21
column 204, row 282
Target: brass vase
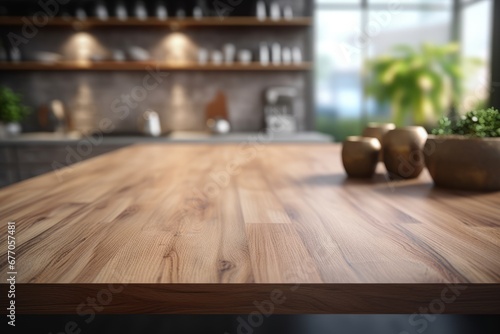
column 464, row 163
column 378, row 130
column 360, row 156
column 403, row 151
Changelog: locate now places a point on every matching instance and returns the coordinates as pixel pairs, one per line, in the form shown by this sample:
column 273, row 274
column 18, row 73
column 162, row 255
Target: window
column 348, row 33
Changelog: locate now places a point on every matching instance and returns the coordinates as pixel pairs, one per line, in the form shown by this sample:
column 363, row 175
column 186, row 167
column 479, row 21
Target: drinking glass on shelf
column 81, row 14
column 181, row 14
column 245, row 57
column 276, row 54
column 286, row 54
column 118, row 55
column 229, row 53
column 261, row 11
column 197, row 13
column 296, row 55
column 101, row 12
column 264, row 54
column 217, row 57
column 161, row 12
column 274, row 11
column 140, row 11
column 202, row 56
column 121, row 11
column 287, row 13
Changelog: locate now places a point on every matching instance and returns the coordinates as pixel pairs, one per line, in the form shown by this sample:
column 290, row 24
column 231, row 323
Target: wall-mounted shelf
column 173, row 23
column 143, row 66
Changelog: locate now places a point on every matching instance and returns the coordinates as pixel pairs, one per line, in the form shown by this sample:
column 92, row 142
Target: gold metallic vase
column 403, row 151
column 360, row 156
column 378, row 130
column 464, row 163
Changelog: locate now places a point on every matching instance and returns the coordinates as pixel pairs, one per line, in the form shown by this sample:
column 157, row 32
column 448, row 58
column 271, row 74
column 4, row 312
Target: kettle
column 151, row 123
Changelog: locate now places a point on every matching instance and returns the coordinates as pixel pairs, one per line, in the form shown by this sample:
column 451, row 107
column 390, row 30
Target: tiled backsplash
column 180, row 99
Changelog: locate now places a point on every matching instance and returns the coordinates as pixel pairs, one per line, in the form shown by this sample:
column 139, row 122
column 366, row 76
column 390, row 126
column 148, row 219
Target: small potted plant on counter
column 12, row 111
column 465, row 153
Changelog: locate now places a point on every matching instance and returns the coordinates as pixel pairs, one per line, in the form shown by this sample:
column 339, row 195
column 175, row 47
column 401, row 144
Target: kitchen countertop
column 221, row 229
column 174, row 137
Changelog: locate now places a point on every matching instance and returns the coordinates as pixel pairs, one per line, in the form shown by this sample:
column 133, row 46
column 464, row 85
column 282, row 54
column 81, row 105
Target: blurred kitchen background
column 338, row 35
column 215, row 71
column 204, row 47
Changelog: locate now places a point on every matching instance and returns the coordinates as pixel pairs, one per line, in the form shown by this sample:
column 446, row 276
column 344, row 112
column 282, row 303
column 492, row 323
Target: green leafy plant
column 420, row 85
column 11, row 108
column 477, row 123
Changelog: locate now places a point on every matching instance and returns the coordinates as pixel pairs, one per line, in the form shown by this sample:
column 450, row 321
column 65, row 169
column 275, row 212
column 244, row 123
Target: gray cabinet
column 8, row 175
column 19, row 162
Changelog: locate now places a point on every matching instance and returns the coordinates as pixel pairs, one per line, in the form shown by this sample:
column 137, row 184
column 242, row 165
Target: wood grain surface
column 250, row 213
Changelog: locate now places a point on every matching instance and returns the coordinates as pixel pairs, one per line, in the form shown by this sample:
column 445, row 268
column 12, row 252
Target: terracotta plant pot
column 360, row 156
column 403, row 151
column 464, row 163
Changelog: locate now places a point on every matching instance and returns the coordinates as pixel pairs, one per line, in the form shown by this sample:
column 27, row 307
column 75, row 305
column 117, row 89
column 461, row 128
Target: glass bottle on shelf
column 121, row 11
column 101, row 12
column 264, row 54
column 140, row 11
column 261, row 11
column 161, row 11
column 274, row 11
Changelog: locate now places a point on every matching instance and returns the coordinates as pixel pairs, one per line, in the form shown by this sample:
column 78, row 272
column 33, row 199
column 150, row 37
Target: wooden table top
column 253, row 214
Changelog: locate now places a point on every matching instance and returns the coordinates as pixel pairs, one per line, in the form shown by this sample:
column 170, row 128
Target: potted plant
column 465, row 153
column 12, row 111
column 420, row 85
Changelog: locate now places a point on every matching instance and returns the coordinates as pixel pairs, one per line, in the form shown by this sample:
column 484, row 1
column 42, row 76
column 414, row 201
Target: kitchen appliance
column 279, row 109
column 150, row 123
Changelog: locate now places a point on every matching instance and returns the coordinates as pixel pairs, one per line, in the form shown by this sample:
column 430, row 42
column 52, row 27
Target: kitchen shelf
column 145, row 65
column 242, row 21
